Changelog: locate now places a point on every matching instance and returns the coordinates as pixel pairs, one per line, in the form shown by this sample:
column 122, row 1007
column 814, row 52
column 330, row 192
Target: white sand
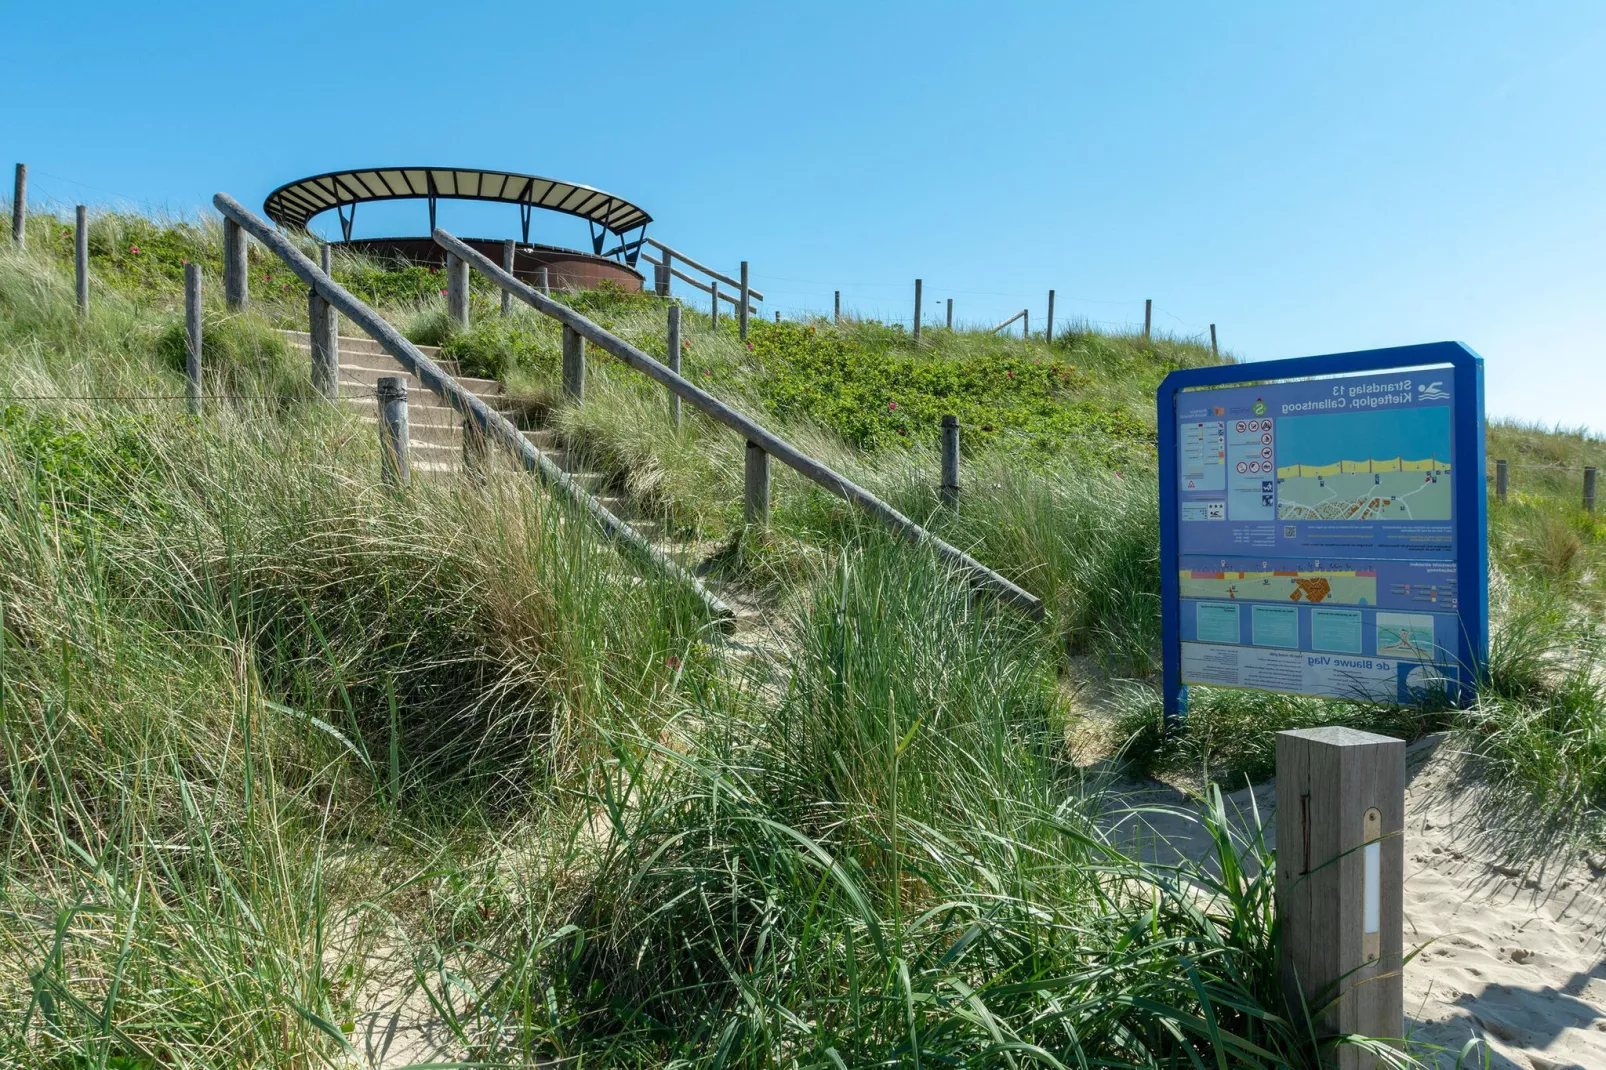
column 1515, row 952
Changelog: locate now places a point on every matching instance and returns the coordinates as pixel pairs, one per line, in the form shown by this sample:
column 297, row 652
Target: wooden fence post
column 950, row 461
column 1340, row 881
column 674, row 362
column 837, row 313
column 509, row 250
column 394, row 468
column 192, row 337
column 950, row 313
column 323, row 338
column 546, row 289
column 917, row 311
column 1025, row 323
column 236, row 267
column 1148, row 315
column 661, row 280
column 741, row 308
column 756, row 501
column 713, row 307
column 456, row 290
column 1589, row 489
column 574, row 365
column 19, row 207
column 81, row 256
column 1048, row 332
column 1501, row 480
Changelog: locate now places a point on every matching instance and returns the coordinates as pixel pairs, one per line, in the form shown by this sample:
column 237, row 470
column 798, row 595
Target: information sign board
column 1323, row 525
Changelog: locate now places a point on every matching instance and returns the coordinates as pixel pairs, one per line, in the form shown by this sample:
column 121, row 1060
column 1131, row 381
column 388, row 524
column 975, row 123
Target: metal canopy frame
column 294, row 204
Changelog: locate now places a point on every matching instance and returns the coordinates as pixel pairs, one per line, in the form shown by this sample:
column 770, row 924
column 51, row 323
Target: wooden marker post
column 950, row 313
column 81, row 256
column 574, row 365
column 393, row 464
column 756, row 500
column 674, row 362
column 1501, row 480
column 1214, row 352
column 192, row 337
column 1589, row 489
column 456, row 290
column 837, row 313
column 509, row 250
column 19, row 207
column 917, row 311
column 236, row 267
column 1048, row 332
column 1148, row 315
column 741, row 307
column 1340, row 882
column 950, row 461
column 323, row 331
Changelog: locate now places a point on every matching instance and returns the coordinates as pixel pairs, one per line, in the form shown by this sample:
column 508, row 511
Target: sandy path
column 1515, row 951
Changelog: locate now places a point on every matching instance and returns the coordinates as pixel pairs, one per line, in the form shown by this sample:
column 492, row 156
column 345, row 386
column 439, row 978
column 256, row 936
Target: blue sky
column 1311, row 178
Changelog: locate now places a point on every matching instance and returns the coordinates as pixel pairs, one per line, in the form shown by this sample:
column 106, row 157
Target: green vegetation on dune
column 279, row 748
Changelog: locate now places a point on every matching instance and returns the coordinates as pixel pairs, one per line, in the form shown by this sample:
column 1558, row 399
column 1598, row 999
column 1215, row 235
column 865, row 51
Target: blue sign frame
column 1468, row 492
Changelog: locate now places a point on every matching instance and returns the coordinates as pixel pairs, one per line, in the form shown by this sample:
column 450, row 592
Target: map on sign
column 1315, row 535
column 1405, row 475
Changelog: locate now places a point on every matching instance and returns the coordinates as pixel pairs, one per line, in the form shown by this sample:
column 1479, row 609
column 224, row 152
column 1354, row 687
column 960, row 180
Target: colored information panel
column 1325, row 535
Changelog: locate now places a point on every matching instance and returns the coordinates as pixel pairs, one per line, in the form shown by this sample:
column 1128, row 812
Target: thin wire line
column 179, row 397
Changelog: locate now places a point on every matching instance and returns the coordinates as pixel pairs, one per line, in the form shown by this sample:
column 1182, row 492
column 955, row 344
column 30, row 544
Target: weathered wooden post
column 1214, row 352
column 1048, row 332
column 950, row 461
column 1025, row 323
column 324, row 337
column 1501, row 480
column 836, row 315
column 661, row 278
column 574, row 365
column 777, row 315
column 917, row 311
column 713, row 305
column 1340, row 881
column 756, row 500
column 674, row 361
column 1589, row 489
column 509, row 249
column 236, row 266
column 394, row 468
column 192, row 337
column 545, row 288
column 456, row 290
column 19, row 207
column 741, row 307
column 81, row 256
column 1148, row 315
column 950, row 313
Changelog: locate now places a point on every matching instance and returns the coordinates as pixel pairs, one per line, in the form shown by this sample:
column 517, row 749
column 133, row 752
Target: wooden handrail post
column 950, row 313
column 19, row 207
column 662, row 277
column 456, row 290
column 81, row 256
column 1589, row 489
column 674, row 362
column 1148, row 315
column 1025, row 323
column 918, row 283
column 509, row 251
column 236, row 267
column 394, row 468
column 545, row 287
column 574, row 365
column 950, row 461
column 756, row 499
column 323, row 339
column 1048, row 331
column 1214, row 352
column 1340, row 881
column 192, row 337
column 1502, row 479
column 741, row 306
column 713, row 305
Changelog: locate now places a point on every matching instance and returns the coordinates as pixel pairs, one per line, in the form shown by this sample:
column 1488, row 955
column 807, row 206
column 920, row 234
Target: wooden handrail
column 682, row 276
column 1007, row 322
column 811, row 469
column 706, row 270
column 493, row 424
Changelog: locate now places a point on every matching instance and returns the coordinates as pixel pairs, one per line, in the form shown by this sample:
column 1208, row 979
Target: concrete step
column 447, row 435
column 352, row 344
column 372, row 367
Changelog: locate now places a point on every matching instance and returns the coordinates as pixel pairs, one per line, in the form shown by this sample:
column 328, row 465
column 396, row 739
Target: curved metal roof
column 295, row 203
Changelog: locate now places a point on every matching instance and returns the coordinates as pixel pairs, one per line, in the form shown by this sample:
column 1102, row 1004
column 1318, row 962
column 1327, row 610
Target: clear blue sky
column 1312, row 178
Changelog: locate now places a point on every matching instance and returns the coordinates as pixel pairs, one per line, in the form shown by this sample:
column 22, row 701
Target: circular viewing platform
column 567, row 269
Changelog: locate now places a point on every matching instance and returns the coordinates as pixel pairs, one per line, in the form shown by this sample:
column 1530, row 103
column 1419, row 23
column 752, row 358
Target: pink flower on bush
column 1010, row 374
column 134, row 249
column 892, row 406
column 685, row 345
column 443, row 293
column 673, row 662
column 750, row 347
